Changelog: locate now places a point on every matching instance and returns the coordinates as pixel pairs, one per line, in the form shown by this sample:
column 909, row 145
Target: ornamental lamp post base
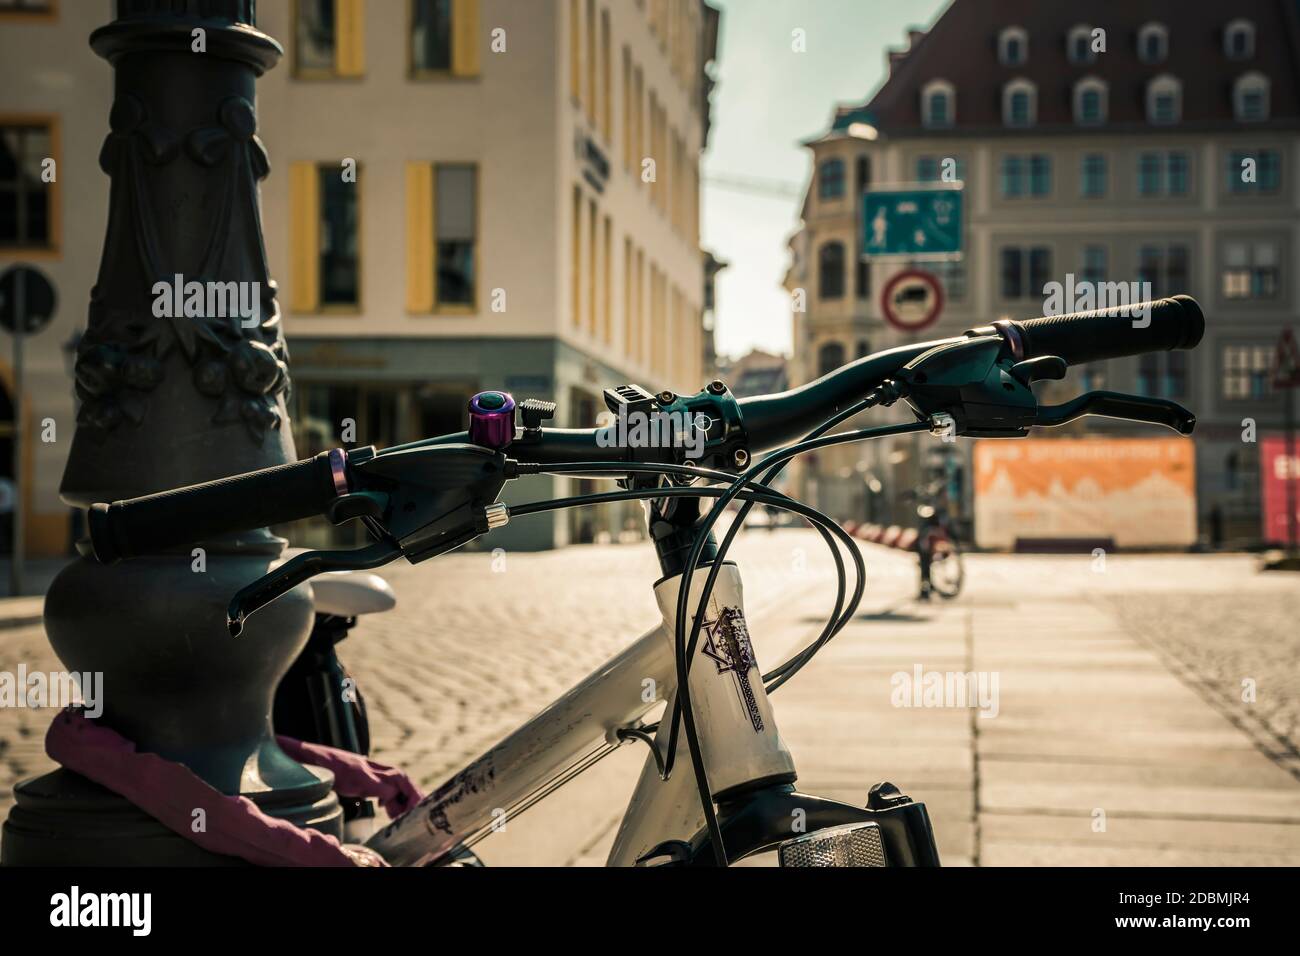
column 166, row 401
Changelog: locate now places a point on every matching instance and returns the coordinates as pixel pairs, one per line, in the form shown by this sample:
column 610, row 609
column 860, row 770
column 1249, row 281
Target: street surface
column 1118, row 733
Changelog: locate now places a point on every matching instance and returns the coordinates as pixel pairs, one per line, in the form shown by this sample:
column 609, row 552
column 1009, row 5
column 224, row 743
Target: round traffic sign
column 912, row 300
column 38, row 299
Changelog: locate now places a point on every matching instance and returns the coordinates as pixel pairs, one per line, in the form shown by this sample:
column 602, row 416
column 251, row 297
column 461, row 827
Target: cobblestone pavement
column 1225, row 632
column 1216, row 620
column 476, row 645
column 1092, row 718
column 474, row 652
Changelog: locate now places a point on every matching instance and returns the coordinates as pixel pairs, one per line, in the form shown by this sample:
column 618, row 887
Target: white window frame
column 1159, row 85
column 1252, row 256
column 1084, row 30
column 1144, row 32
column 1085, row 85
column 1240, row 25
column 949, row 92
column 1243, row 362
column 1019, row 85
column 1244, row 84
column 1013, row 33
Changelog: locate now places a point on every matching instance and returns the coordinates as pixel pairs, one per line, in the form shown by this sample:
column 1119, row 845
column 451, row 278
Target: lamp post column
column 182, row 377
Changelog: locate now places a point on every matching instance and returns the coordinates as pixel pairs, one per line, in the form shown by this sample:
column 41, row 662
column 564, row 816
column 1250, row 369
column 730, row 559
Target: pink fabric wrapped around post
column 170, row 792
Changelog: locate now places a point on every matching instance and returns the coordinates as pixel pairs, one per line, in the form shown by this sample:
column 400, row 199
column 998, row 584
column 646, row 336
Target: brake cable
column 685, row 647
column 840, row 615
column 772, row 462
column 873, row 398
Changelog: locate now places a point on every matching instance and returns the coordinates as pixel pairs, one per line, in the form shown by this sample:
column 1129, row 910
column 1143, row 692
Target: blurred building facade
column 755, row 373
column 1105, row 142
column 465, row 194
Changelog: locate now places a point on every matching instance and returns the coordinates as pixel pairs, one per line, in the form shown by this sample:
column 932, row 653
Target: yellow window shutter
column 350, row 37
column 575, row 52
column 304, row 237
column 419, row 237
column 465, row 37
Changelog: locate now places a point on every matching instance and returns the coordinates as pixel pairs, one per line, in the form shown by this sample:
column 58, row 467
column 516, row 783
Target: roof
column 961, row 48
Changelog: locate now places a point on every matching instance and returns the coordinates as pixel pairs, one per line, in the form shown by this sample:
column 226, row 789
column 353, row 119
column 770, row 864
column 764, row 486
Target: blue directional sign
column 914, row 222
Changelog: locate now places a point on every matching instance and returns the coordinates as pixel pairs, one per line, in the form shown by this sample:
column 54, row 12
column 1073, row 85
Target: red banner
column 1274, row 473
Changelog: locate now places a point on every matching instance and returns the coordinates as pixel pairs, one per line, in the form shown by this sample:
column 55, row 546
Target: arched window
column 938, row 104
column 830, row 179
column 1078, row 44
column 1153, row 43
column 1090, row 101
column 1019, row 103
column 1164, row 100
column 1239, row 40
column 1013, row 46
column 1250, row 97
column 830, row 271
column 829, row 357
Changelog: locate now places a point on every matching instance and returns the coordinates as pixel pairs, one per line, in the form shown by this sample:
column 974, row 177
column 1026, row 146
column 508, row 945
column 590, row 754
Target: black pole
column 169, row 400
column 1289, row 472
column 20, row 423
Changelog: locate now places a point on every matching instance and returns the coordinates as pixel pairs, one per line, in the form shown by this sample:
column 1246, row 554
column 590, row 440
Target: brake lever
column 301, row 568
column 1135, row 408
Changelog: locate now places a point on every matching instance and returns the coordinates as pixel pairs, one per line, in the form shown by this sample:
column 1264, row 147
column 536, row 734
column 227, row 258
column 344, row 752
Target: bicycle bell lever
column 1135, row 408
column 301, row 568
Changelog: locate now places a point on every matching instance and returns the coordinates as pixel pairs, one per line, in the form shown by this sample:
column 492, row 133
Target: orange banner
column 1141, row 492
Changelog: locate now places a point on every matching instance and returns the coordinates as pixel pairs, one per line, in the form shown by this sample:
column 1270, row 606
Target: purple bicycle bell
column 492, row 419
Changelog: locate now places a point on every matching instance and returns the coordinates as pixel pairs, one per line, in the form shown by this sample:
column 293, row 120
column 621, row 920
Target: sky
column 769, row 99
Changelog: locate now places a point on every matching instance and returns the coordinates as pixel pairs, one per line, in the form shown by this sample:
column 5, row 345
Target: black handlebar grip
column 126, row 529
column 1159, row 326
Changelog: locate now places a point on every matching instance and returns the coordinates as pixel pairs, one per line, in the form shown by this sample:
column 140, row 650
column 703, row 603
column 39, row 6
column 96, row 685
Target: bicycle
column 730, row 791
column 937, row 550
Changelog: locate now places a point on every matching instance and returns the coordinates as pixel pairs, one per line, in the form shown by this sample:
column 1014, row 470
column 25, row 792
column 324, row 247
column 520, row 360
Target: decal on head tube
column 726, row 643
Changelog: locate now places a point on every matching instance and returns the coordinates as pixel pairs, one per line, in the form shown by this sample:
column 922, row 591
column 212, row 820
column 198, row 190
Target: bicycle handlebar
column 1082, row 337
column 126, row 529
column 1078, row 338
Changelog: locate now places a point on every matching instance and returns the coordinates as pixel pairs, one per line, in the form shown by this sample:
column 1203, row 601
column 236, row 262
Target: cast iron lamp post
column 170, row 401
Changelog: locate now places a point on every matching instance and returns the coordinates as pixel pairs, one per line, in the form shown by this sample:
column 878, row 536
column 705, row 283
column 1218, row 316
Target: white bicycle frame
column 738, row 739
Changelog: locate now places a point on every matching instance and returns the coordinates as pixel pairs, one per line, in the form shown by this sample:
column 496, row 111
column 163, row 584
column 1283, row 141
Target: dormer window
column 1013, row 46
column 1078, row 45
column 1019, row 103
column 938, row 104
column 1164, row 100
column 1239, row 40
column 1153, row 43
column 1250, row 98
column 1090, row 101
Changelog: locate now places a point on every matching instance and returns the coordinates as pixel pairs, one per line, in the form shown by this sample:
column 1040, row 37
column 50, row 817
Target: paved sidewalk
column 1097, row 754
column 477, row 644
column 1110, row 745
